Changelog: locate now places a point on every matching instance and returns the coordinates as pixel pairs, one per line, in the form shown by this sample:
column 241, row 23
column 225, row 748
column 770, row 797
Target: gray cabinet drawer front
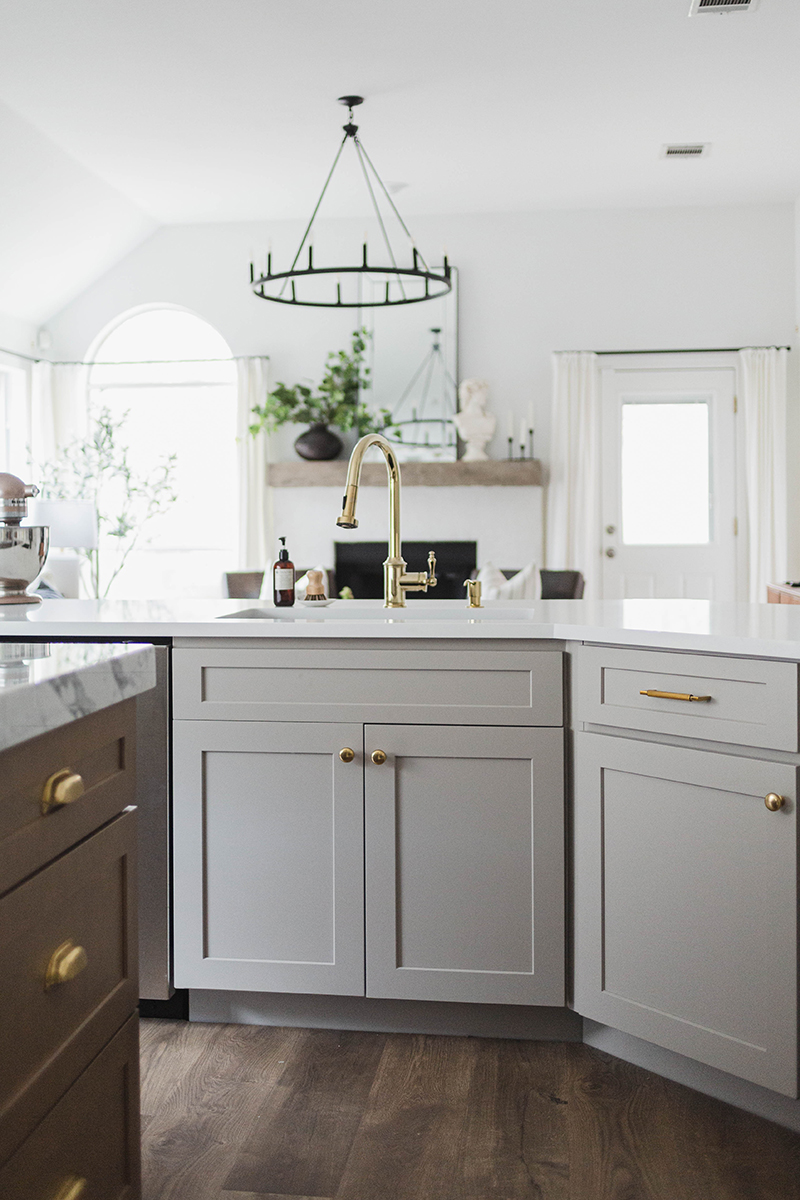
column 440, row 686
column 753, row 702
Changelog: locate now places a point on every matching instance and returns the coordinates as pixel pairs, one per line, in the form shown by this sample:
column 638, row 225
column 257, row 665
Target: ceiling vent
column 721, row 6
column 686, row 150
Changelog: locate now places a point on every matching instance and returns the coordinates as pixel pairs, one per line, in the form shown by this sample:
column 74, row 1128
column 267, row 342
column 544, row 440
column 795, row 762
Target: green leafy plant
column 337, row 401
column 96, row 468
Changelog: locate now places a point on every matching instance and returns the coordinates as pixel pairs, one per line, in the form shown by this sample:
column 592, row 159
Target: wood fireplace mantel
column 494, row 473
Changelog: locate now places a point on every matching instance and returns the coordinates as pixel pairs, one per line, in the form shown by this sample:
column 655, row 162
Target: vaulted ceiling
column 116, row 117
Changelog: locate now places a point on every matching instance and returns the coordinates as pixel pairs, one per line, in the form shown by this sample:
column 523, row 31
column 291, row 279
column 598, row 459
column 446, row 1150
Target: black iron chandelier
column 321, row 286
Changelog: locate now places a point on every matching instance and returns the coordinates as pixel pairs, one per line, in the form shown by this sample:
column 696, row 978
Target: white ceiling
column 223, row 110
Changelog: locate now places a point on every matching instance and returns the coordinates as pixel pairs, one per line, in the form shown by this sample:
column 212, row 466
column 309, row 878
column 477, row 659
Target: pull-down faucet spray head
column 347, row 520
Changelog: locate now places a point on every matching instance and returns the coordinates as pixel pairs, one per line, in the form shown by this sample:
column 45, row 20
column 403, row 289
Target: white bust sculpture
column 474, row 424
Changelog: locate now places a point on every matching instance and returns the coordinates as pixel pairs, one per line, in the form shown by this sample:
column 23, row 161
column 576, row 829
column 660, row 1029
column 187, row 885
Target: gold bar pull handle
column 674, row 695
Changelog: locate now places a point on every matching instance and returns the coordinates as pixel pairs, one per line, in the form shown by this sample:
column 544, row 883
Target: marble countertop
column 44, row 685
column 760, row 630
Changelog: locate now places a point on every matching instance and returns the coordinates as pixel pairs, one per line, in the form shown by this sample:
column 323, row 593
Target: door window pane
column 665, row 474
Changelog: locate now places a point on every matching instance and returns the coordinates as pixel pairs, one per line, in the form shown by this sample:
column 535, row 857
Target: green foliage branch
column 338, row 399
column 96, row 468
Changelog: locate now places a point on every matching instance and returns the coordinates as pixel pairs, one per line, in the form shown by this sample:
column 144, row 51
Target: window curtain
column 59, row 401
column 573, row 494
column 254, row 498
column 762, row 378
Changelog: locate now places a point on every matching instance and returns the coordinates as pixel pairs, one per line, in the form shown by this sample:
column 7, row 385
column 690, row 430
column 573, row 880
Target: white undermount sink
column 373, row 610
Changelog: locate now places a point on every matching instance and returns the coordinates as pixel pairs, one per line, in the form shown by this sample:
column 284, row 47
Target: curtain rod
column 139, row 362
column 704, row 350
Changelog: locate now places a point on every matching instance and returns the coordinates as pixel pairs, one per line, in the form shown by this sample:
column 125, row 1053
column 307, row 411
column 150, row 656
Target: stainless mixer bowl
column 23, row 553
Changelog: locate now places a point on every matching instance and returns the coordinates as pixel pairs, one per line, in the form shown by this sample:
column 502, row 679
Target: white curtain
column 762, row 376
column 59, row 407
column 254, row 500
column 573, row 494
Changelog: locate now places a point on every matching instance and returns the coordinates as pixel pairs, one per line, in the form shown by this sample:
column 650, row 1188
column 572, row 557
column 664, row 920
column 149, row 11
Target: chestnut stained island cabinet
column 69, row 1070
column 370, row 821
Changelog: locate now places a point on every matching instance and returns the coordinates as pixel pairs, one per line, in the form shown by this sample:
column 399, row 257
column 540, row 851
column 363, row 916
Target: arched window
column 166, row 379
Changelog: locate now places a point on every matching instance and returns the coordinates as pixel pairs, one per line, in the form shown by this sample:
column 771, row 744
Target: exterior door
column 669, row 483
column 268, row 857
column 465, row 862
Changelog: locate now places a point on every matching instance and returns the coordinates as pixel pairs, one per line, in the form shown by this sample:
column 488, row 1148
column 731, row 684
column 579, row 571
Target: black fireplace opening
column 359, row 566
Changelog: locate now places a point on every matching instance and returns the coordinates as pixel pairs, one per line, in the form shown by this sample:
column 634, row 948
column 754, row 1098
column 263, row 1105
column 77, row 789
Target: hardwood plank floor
column 238, row 1112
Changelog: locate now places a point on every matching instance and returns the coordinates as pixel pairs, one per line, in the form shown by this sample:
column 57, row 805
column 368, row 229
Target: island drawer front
column 91, row 1134
column 752, row 702
column 101, row 748
column 460, row 687
column 86, row 898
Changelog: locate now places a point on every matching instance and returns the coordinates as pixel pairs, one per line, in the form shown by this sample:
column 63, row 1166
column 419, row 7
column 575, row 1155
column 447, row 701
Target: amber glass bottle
column 283, row 578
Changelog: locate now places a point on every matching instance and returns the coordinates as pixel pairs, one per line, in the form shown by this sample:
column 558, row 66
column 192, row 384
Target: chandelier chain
column 316, row 210
column 388, row 244
column 408, row 232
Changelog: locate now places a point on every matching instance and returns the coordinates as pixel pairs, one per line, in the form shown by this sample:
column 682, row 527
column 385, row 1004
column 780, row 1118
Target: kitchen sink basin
column 373, row 610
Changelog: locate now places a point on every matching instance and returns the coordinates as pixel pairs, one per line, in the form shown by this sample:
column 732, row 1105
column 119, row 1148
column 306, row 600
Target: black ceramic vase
column 318, row 443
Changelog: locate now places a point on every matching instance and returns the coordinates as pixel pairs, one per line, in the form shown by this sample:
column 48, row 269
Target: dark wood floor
column 247, row 1113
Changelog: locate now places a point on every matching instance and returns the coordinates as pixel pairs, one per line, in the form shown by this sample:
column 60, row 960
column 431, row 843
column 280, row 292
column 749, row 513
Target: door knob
column 773, row 801
column 346, row 755
column 611, row 552
column 378, row 757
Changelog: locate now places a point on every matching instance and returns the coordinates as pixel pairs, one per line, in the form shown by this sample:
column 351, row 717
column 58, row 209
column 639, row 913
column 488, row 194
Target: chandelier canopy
column 378, row 286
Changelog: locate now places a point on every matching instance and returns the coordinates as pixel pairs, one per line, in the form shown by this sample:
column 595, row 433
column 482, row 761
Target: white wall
column 530, row 283
column 17, row 336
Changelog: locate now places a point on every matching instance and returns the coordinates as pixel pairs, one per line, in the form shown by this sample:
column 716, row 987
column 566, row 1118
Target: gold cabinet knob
column 71, row 1189
column 346, row 755
column 62, row 788
column 379, row 757
column 65, row 963
column 773, row 801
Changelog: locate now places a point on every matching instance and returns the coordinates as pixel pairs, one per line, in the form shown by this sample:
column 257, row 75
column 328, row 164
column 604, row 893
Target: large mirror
column 414, row 363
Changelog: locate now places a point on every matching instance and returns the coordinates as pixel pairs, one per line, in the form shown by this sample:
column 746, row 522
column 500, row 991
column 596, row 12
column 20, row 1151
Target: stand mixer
column 23, row 549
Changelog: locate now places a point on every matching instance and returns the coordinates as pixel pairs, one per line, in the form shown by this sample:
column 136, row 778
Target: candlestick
column 530, row 443
column 510, row 448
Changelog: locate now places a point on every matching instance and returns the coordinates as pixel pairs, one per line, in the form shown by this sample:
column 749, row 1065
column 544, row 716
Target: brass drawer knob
column 379, row 757
column 65, row 963
column 62, row 788
column 346, row 755
column 71, row 1189
column 773, row 801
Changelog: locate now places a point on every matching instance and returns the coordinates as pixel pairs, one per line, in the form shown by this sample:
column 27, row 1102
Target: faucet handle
column 432, row 580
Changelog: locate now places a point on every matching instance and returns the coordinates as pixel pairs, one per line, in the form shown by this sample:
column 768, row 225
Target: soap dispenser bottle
column 283, row 578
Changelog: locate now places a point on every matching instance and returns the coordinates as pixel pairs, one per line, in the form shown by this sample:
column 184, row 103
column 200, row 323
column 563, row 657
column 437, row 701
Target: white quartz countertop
column 45, row 685
column 760, row 630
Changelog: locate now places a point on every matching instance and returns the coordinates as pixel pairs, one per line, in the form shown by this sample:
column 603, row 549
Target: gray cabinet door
column 686, row 903
column 268, row 857
column 465, row 864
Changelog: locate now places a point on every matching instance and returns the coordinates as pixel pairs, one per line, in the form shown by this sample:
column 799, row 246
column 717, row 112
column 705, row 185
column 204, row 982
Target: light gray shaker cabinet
column 685, row 882
column 465, row 864
column 464, row 822
column 268, row 857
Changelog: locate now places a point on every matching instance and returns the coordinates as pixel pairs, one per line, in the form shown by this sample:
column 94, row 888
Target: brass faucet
column 396, row 580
